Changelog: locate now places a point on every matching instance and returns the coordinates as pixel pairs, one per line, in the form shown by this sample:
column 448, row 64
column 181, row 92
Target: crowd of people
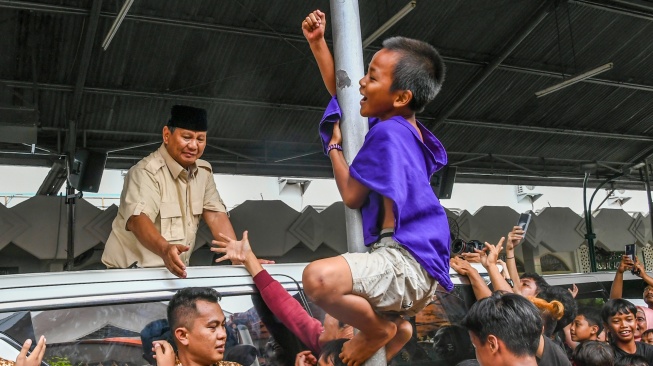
column 518, row 320
column 618, row 333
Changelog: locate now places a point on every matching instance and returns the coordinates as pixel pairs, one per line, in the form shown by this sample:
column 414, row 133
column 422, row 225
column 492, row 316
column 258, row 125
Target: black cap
column 188, row 118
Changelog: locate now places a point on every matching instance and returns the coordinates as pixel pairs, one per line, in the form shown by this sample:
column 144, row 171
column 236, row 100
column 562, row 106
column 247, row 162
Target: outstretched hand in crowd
column 34, row 358
column 515, row 236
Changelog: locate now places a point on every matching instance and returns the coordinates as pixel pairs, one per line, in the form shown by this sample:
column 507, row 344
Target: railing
column 99, row 200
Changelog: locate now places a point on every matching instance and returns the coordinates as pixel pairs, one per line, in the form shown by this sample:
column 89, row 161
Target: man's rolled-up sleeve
column 212, row 199
column 141, row 195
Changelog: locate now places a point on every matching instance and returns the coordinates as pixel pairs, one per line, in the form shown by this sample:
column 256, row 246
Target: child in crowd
column 631, row 360
column 618, row 317
column 587, row 326
column 388, row 180
column 647, row 336
column 593, row 353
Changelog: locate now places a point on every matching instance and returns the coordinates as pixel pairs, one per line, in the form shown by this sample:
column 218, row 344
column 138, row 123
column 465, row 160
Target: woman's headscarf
column 648, row 314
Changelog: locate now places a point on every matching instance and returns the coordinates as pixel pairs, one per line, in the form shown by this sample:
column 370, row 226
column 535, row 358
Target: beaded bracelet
column 333, row 146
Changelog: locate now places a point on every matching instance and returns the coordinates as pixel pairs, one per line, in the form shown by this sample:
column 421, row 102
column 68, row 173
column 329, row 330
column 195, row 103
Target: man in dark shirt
column 505, row 329
column 618, row 317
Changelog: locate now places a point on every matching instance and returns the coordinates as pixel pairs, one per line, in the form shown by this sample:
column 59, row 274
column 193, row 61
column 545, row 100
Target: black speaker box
column 87, row 170
column 442, row 181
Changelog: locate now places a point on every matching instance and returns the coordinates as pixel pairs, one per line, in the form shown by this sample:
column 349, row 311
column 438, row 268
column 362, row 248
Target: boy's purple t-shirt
column 395, row 163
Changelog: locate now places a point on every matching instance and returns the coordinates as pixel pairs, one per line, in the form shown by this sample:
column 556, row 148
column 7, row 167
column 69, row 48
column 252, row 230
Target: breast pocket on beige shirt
column 172, row 225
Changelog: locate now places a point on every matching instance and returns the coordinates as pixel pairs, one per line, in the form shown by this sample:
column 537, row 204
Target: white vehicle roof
column 39, row 291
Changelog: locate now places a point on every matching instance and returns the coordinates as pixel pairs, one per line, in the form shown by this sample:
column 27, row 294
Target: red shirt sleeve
column 289, row 311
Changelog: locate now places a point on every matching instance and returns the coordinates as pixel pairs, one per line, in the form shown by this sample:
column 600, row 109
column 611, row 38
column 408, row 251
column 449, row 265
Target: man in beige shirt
column 163, row 198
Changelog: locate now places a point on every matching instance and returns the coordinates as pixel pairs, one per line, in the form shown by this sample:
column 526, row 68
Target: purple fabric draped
column 395, row 163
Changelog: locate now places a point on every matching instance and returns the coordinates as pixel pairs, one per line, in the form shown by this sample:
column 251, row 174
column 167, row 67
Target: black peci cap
column 188, row 118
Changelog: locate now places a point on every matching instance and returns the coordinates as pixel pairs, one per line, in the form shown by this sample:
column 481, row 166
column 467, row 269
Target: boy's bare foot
column 404, row 332
column 363, row 346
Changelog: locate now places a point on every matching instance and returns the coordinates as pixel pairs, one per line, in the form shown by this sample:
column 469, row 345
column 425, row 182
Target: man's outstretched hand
column 172, row 261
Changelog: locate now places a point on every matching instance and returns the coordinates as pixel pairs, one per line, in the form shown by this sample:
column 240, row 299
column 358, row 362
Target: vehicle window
column 111, row 334
column 592, row 294
column 438, row 339
column 88, row 335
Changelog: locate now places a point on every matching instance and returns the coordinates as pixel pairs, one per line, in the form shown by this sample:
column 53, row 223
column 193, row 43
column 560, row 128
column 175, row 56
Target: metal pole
column 589, row 234
column 70, row 247
column 348, row 56
column 647, row 181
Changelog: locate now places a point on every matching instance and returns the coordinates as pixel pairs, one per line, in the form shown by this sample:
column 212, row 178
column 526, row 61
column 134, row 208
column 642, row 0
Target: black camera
column 460, row 246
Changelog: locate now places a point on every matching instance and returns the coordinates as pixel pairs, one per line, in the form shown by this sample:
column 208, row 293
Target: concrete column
column 531, row 258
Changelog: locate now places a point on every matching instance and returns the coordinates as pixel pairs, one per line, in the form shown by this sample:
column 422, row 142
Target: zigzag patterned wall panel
column 38, row 227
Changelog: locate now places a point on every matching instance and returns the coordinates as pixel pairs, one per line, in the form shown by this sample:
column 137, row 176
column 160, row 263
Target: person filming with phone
column 629, row 262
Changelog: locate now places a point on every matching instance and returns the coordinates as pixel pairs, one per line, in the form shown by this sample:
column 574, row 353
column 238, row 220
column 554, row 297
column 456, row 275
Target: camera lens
column 458, row 247
column 476, row 244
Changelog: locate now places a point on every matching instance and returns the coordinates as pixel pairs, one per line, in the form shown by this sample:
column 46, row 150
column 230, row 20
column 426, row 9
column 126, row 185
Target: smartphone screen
column 524, row 220
column 630, row 251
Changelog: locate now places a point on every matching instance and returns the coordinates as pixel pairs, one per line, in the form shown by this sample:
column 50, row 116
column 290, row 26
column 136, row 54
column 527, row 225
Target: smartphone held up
column 630, row 251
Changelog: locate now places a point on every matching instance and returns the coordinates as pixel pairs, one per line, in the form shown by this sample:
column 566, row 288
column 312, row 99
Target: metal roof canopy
column 247, row 63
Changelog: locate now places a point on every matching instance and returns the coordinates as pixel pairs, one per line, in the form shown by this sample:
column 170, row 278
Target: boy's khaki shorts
column 391, row 279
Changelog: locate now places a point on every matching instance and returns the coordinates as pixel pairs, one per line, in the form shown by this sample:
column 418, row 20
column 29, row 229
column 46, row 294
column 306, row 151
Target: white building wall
column 236, row 189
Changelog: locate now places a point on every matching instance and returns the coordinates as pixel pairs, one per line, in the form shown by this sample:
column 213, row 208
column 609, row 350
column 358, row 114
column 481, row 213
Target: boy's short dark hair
column 540, row 282
column 646, row 332
column 550, row 293
column 617, row 306
column 420, row 69
column 593, row 353
column 331, row 351
column 182, row 304
column 631, row 360
column 452, row 344
column 511, row 318
column 592, row 316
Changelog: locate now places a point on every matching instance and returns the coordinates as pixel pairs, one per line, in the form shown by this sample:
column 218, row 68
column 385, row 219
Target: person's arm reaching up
column 285, row 307
column 514, row 238
column 489, row 259
column 35, row 358
column 616, row 291
column 639, row 266
column 464, row 268
column 313, row 28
